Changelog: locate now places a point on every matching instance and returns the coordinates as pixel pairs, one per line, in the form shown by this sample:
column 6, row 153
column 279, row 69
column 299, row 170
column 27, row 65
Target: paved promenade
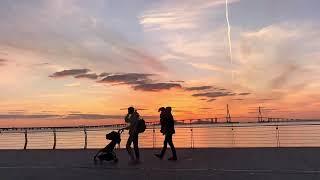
column 221, row 164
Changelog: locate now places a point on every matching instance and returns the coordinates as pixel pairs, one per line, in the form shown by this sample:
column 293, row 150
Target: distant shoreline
column 209, row 121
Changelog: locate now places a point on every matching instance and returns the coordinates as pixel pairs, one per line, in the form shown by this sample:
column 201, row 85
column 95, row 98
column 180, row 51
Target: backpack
column 141, row 126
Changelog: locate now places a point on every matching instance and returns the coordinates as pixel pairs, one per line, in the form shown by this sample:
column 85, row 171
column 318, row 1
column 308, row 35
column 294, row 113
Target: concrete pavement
column 244, row 163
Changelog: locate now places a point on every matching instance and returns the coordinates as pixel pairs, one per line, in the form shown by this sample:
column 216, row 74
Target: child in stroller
column 107, row 153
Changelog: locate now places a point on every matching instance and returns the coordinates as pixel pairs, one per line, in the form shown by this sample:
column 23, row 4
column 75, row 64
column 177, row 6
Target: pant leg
column 164, row 148
column 136, row 146
column 170, row 142
column 128, row 146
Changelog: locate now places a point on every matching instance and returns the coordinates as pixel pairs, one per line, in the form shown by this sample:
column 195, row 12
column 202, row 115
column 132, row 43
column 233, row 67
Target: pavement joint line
column 288, row 171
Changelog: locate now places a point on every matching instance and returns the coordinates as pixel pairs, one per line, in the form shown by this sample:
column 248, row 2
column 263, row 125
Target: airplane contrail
column 229, row 33
column 229, row 38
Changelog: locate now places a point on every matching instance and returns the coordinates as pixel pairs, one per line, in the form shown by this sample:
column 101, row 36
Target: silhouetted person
column 162, row 111
column 133, row 118
column 168, row 132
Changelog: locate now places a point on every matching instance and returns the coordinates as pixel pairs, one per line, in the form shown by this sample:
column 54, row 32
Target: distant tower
column 228, row 117
column 260, row 115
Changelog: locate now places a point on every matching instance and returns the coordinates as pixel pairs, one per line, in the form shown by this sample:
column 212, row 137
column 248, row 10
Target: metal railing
column 189, row 134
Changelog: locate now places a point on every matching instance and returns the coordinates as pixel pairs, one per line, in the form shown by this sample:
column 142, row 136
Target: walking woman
column 167, row 128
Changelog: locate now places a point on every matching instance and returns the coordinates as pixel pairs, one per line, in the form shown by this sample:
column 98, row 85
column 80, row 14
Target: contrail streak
column 229, row 34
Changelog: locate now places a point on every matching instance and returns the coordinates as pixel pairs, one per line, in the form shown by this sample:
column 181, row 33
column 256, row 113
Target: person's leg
column 136, row 146
column 128, row 147
column 173, row 149
column 164, row 148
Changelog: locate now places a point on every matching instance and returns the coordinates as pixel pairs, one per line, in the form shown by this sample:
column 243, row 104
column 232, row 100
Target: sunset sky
column 78, row 59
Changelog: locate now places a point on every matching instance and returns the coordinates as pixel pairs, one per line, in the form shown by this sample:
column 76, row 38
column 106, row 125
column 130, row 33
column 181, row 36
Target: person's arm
column 127, row 119
column 135, row 126
column 135, row 122
column 127, row 128
column 138, row 118
column 171, row 121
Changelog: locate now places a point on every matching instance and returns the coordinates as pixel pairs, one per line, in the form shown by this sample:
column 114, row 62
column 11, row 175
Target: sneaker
column 158, row 156
column 173, row 159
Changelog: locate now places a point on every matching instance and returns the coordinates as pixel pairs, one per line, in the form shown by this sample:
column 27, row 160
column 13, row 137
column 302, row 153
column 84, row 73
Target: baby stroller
column 107, row 153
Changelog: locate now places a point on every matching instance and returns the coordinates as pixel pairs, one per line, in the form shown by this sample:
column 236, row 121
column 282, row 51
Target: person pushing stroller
column 135, row 126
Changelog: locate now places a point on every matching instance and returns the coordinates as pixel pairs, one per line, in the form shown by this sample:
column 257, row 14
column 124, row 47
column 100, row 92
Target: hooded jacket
column 132, row 120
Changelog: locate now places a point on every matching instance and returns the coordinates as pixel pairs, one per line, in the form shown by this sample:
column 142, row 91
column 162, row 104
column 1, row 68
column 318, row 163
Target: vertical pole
column 228, row 117
column 119, row 146
column 278, row 136
column 260, row 115
column 25, row 139
column 233, row 138
column 192, row 140
column 54, row 138
column 85, row 138
column 154, row 137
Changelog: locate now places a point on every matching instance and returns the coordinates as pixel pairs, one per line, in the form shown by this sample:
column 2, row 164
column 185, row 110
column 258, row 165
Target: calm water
column 198, row 136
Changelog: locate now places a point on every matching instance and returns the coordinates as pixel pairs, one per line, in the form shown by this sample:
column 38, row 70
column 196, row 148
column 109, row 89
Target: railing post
column 119, row 146
column 278, row 136
column 154, row 136
column 233, row 141
column 25, row 139
column 54, row 138
column 85, row 138
column 233, row 138
column 192, row 140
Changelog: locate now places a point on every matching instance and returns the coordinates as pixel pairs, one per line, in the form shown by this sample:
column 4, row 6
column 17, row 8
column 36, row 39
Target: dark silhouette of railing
column 194, row 133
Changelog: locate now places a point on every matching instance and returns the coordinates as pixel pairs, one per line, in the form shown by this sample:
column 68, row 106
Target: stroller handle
column 120, row 131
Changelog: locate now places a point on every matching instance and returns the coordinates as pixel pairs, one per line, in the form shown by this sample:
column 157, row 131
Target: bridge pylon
column 260, row 115
column 228, row 117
